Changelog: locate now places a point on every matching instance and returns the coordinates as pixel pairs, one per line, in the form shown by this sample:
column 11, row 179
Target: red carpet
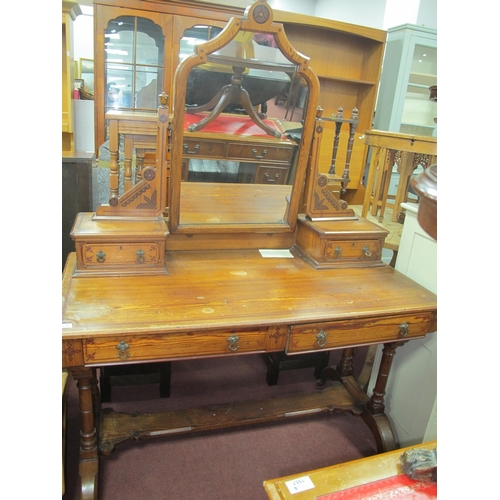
column 227, row 464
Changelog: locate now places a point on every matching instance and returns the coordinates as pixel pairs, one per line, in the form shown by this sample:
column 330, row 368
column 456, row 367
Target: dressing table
column 225, row 274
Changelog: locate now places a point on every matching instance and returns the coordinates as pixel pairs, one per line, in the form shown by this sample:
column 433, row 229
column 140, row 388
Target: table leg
column 89, row 457
column 373, row 413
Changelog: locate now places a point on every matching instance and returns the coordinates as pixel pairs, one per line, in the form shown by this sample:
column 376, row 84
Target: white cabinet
column 409, row 69
column 411, row 394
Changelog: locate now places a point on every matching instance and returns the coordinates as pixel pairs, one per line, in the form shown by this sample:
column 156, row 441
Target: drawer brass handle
column 140, row 255
column 404, row 329
column 122, row 347
column 270, row 179
column 321, row 338
column 101, row 256
column 192, row 152
column 256, row 156
column 338, row 252
column 233, row 342
column 366, row 251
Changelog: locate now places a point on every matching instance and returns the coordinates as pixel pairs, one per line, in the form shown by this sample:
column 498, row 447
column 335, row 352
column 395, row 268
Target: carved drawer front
column 259, row 152
column 210, row 149
column 141, row 254
column 178, row 345
column 271, row 175
column 351, row 250
column 324, row 336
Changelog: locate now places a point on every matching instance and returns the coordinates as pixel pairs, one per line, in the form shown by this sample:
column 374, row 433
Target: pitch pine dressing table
column 143, row 287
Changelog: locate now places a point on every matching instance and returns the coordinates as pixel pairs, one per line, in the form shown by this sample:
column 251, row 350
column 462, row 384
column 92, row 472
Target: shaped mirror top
column 236, row 159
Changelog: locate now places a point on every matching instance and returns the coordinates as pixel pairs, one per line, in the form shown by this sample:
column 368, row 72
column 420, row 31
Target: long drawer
column 178, row 345
column 352, row 332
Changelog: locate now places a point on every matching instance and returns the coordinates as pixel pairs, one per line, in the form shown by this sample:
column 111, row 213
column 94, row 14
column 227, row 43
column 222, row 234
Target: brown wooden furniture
column 214, row 290
column 425, row 186
column 389, row 149
column 347, row 59
column 340, row 477
column 225, row 303
column 76, row 195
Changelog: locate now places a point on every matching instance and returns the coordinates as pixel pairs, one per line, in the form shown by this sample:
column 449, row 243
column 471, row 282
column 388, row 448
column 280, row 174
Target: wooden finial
column 163, row 98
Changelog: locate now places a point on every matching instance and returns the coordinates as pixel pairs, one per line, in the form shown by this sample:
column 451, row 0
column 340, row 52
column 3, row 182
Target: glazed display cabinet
column 409, row 69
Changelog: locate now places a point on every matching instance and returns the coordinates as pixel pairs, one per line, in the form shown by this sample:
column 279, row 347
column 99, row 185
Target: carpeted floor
column 226, row 464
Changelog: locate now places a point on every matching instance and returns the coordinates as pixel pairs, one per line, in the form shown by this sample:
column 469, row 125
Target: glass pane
column 419, row 112
column 119, row 86
column 150, row 42
column 119, row 40
column 148, row 84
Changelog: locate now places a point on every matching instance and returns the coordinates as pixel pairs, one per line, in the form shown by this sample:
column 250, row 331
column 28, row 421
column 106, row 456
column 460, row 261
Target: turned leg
column 373, row 413
column 343, row 369
column 89, row 459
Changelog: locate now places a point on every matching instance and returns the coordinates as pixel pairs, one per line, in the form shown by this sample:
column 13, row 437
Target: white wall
column 83, row 35
column 363, row 12
column 297, row 6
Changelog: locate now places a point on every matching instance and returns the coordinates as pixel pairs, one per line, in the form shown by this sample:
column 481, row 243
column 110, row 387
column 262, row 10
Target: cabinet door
column 418, row 113
column 409, row 69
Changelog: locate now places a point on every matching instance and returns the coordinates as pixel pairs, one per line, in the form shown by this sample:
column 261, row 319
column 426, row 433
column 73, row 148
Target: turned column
column 376, row 403
column 89, row 459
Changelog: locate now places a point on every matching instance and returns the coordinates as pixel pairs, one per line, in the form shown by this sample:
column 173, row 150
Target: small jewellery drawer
column 97, row 254
column 210, row 149
column 259, row 152
column 352, row 332
column 354, row 249
column 177, row 345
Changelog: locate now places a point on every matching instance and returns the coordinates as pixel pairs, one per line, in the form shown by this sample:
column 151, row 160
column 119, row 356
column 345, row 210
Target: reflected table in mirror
column 232, row 203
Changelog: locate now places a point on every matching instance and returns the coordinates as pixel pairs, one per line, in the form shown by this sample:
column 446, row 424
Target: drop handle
column 101, row 256
column 233, row 342
column 367, row 251
column 321, row 339
column 190, row 152
column 123, row 350
column 404, row 329
column 259, row 157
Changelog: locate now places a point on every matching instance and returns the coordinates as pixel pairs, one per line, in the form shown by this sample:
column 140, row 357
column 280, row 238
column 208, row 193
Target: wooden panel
column 357, row 332
column 76, row 196
column 332, row 53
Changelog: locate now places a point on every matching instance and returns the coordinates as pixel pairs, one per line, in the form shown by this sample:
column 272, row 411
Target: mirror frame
column 251, row 21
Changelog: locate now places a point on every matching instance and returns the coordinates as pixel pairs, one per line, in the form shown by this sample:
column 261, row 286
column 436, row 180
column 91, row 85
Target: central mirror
column 243, row 115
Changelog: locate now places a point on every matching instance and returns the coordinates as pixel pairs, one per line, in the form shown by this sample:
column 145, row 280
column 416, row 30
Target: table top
column 341, row 476
column 206, row 290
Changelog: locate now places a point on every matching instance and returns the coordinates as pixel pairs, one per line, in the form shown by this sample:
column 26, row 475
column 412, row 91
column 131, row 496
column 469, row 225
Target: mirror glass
column 242, row 130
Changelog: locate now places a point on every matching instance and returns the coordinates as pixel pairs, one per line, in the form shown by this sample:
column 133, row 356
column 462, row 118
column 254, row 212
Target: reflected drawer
column 271, row 175
column 177, row 345
column 352, row 332
column 210, row 149
column 259, row 152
